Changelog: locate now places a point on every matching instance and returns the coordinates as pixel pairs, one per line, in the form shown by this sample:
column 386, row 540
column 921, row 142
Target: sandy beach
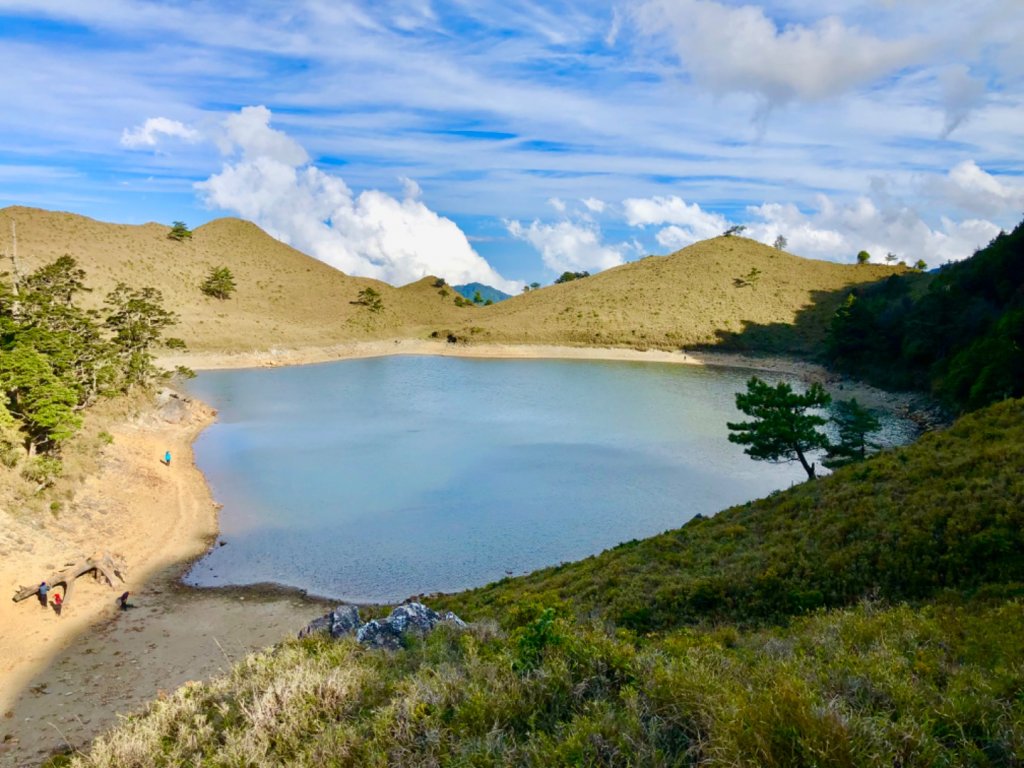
column 271, row 358
column 64, row 679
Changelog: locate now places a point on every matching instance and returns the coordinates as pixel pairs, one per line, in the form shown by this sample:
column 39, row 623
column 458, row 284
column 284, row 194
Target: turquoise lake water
column 373, row 480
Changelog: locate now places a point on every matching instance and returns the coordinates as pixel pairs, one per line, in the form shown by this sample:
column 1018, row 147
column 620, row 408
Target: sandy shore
column 271, row 358
column 65, row 679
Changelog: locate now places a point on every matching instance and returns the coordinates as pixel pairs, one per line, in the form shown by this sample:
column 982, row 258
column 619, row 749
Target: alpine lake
column 372, row 480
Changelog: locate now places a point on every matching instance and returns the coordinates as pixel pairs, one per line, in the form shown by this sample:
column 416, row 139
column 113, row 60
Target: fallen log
column 103, row 566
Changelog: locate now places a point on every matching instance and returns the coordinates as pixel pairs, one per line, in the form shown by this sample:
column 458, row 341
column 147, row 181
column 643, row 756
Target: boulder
column 390, row 633
column 408, row 618
column 343, row 620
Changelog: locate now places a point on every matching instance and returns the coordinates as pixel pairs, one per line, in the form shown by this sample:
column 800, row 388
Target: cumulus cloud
column 568, row 246
column 740, row 49
column 147, row 134
column 688, row 222
column 594, row 205
column 878, row 222
column 270, row 181
column 838, row 232
column 972, row 189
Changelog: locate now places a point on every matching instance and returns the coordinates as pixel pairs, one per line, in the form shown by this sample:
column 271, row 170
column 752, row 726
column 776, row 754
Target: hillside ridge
column 705, row 294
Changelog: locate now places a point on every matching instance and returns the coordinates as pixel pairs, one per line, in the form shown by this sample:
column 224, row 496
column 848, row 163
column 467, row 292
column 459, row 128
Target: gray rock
column 380, row 633
column 406, row 619
column 343, row 620
column 450, row 618
column 323, row 624
column 390, row 633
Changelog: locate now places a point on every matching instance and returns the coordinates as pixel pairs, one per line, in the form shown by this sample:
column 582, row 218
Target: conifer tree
column 855, row 424
column 782, row 428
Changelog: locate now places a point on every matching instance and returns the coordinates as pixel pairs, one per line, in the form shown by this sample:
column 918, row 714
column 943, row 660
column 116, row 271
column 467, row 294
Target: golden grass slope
column 285, row 299
column 690, row 297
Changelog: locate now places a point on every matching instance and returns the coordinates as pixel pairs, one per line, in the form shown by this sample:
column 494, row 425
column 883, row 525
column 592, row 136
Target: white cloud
column 740, row 49
column 250, row 133
column 410, row 188
column 838, row 232
column 371, row 234
column 970, row 188
column 594, row 205
column 147, row 134
column 557, row 204
column 568, row 246
column 689, row 222
column 879, row 222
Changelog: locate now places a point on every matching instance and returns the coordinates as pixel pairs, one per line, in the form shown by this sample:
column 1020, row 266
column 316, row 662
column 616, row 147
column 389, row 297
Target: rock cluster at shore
column 390, row 633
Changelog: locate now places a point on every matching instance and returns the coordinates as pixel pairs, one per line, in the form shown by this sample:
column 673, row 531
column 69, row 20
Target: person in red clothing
column 58, row 602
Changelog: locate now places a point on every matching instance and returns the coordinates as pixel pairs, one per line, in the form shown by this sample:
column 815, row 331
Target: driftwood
column 104, row 566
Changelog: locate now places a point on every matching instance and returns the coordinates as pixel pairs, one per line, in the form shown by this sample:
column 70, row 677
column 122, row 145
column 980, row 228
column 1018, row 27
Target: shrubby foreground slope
column 732, row 669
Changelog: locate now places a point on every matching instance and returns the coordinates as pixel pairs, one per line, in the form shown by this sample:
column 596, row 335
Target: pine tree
column 854, row 423
column 219, row 283
column 782, row 430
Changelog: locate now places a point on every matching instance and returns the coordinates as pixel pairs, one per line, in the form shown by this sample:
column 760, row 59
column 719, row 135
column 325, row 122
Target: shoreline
column 55, row 686
column 904, row 404
column 65, row 679
column 274, row 357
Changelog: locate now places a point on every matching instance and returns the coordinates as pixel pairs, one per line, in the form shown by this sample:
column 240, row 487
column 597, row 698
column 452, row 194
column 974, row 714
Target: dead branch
column 105, row 567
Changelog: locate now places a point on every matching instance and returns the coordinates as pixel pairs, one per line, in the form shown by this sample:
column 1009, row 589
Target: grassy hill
column 283, row 299
column 704, row 294
column 552, row 681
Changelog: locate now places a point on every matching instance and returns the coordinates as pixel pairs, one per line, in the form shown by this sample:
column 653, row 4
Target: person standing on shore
column 58, row 603
column 167, row 458
column 44, row 590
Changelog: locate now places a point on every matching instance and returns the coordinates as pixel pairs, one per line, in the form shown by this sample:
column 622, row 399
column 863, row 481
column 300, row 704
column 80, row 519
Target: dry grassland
column 287, row 300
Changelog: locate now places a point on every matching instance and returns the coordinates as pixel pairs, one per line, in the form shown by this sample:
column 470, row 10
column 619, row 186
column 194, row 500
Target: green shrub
column 43, row 470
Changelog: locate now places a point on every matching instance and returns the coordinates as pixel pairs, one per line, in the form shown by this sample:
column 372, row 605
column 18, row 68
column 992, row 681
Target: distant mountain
column 486, row 292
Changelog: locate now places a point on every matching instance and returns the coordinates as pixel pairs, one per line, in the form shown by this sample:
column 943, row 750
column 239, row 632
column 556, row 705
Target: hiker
column 123, row 602
column 44, row 590
column 167, row 458
column 58, row 602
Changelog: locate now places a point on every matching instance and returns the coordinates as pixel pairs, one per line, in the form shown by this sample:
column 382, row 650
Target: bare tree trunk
column 103, row 566
column 808, row 468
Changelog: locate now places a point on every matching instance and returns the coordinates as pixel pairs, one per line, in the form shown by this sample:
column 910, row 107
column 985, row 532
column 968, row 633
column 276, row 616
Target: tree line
column 57, row 358
column 958, row 333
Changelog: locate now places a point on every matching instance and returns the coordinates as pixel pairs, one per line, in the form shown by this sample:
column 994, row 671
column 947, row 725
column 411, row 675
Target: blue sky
column 509, row 141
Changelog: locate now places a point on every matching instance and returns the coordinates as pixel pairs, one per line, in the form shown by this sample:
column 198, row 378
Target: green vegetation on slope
column 867, row 686
column 944, row 513
column 959, row 333
column 56, row 358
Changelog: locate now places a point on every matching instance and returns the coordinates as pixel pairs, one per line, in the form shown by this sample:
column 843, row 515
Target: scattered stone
column 407, row 619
